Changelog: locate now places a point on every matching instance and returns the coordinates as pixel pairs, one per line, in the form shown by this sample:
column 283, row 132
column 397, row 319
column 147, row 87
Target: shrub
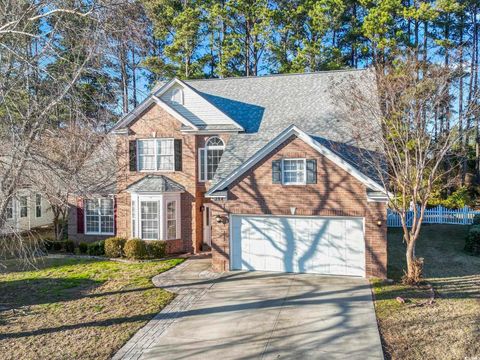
column 82, row 247
column 96, row 248
column 472, row 243
column 114, row 247
column 156, row 249
column 476, row 219
column 48, row 243
column 69, row 246
column 57, row 245
column 135, row 249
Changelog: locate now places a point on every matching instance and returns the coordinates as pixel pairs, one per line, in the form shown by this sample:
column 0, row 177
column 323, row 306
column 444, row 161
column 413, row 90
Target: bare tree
column 49, row 51
column 413, row 158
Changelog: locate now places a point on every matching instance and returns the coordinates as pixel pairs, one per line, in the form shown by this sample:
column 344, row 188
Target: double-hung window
column 99, row 216
column 294, row 171
column 171, row 220
column 10, row 210
column 209, row 158
column 23, row 206
column 156, row 155
column 38, row 205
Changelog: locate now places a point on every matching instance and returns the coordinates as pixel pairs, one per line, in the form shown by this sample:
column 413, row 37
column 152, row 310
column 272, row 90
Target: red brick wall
column 336, row 193
column 156, row 123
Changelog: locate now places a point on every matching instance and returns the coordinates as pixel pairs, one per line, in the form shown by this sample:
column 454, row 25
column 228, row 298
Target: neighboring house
column 27, row 210
column 262, row 170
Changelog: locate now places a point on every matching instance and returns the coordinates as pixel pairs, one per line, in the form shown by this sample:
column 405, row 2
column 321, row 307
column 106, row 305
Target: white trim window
column 149, row 220
column 209, row 158
column 294, row 171
column 38, row 205
column 9, row 210
column 23, row 206
column 99, row 216
column 134, row 217
column 171, row 220
column 156, row 155
column 158, row 216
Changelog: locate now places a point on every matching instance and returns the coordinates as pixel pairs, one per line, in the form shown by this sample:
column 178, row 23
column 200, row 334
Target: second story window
column 294, row 171
column 156, row 155
column 209, row 158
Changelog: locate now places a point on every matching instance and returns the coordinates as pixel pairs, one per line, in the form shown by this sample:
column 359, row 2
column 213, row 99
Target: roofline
column 284, row 135
column 279, row 75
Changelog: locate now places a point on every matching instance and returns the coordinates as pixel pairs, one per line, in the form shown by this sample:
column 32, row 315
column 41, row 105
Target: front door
column 207, row 225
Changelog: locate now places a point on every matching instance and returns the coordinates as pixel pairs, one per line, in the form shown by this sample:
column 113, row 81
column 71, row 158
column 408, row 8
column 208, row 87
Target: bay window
column 156, row 217
column 209, row 158
column 99, row 216
column 156, row 155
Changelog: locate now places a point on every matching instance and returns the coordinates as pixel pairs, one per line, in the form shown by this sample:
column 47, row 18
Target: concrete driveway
column 258, row 315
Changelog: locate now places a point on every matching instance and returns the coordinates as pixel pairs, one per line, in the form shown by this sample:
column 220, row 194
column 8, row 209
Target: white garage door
column 322, row 245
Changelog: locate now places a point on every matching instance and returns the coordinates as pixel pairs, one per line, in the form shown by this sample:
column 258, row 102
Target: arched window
column 177, row 96
column 209, row 157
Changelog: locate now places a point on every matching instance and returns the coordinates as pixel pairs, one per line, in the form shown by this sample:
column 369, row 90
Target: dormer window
column 177, row 96
column 209, row 157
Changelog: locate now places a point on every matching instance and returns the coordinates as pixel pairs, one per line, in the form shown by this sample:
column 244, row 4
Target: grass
column 448, row 329
column 71, row 308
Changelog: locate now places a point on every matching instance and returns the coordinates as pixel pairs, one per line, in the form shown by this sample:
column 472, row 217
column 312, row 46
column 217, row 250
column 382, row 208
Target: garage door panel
column 298, row 244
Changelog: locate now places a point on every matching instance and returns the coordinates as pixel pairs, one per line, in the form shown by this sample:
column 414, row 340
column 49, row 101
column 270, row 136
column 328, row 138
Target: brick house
column 263, row 171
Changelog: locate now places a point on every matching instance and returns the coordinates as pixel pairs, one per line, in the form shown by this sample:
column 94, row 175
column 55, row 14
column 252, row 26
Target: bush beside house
column 137, row 249
column 114, row 247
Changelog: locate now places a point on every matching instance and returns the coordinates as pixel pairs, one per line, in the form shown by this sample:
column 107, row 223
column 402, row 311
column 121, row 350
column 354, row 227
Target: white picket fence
column 436, row 215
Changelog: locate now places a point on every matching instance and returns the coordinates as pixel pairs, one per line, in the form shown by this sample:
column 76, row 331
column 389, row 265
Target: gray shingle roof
column 266, row 105
column 155, row 183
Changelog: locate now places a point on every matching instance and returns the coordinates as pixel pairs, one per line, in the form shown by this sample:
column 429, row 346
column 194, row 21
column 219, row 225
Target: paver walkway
column 189, row 281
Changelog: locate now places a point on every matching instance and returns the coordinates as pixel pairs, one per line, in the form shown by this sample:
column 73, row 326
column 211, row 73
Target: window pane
column 134, row 218
column 146, row 154
column 213, row 158
column 106, row 207
column 91, row 207
column 92, row 223
column 171, row 220
column 149, row 219
column 23, row 206
column 293, row 171
column 202, row 164
column 165, row 154
column 10, row 209
column 38, row 205
column 165, row 162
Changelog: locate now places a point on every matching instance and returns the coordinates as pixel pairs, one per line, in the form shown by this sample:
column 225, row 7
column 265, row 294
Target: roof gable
column 278, row 140
column 195, row 112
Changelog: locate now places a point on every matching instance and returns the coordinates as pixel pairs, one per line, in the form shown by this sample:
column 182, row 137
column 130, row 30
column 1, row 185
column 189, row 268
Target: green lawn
column 73, row 308
column 448, row 329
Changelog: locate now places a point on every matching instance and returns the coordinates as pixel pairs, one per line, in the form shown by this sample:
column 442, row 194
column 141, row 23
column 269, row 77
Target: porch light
column 379, row 223
column 220, row 219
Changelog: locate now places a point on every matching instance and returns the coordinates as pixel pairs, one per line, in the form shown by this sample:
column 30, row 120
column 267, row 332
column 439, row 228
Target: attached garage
column 322, row 245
